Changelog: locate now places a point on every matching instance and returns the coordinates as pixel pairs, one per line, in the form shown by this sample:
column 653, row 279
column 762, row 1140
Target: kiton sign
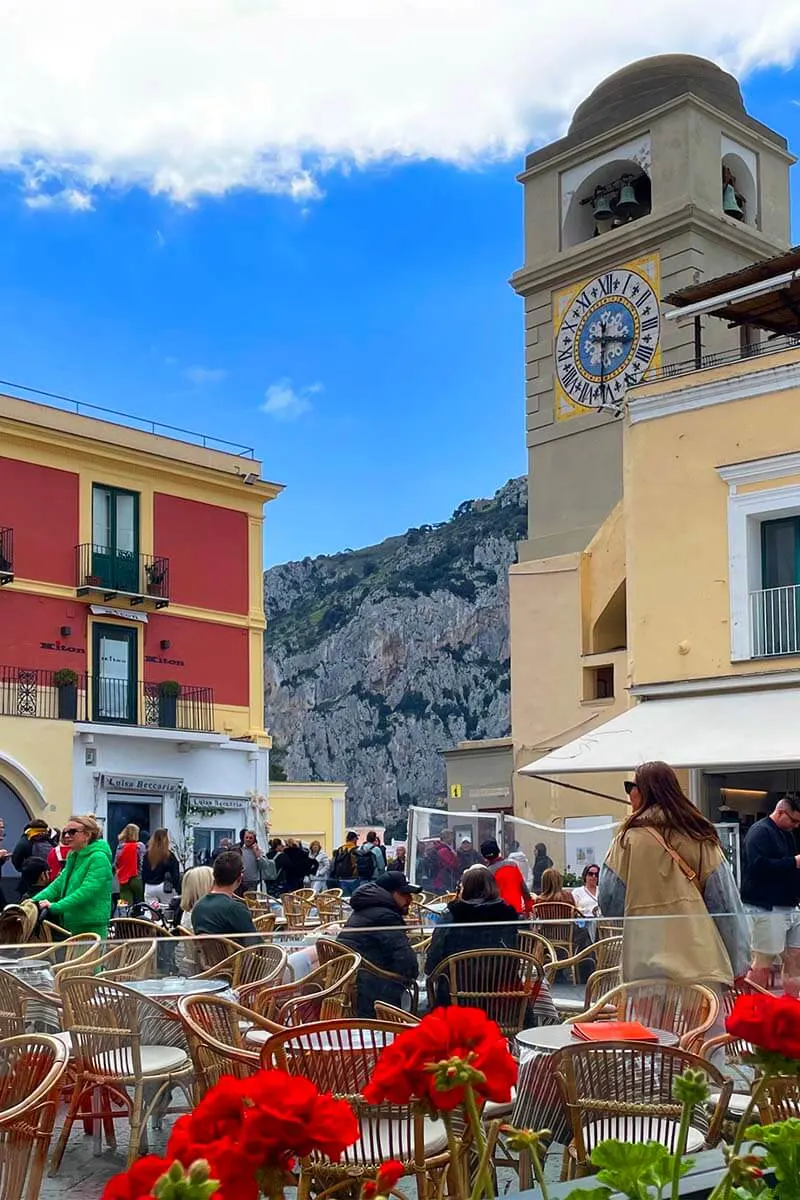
column 166, row 662
column 61, row 648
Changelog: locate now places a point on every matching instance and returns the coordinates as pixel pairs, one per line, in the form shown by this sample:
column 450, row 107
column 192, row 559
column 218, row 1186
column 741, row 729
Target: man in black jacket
column 376, row 930
column 770, row 891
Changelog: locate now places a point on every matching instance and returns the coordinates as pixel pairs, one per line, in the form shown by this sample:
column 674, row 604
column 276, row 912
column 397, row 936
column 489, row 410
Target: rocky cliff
column 378, row 659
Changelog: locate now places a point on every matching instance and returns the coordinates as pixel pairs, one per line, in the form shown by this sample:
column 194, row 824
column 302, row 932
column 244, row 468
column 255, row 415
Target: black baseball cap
column 395, row 881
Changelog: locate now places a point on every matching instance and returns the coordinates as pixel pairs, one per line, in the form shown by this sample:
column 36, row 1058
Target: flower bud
column 199, row 1171
column 691, row 1088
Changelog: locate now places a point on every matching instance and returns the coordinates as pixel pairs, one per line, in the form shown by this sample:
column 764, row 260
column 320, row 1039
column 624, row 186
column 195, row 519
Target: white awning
column 724, row 731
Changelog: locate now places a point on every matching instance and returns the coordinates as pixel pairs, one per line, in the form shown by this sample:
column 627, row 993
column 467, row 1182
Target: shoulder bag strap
column 676, row 858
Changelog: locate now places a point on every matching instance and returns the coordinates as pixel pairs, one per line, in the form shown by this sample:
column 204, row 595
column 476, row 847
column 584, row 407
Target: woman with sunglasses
column 79, row 899
column 665, row 872
column 585, row 897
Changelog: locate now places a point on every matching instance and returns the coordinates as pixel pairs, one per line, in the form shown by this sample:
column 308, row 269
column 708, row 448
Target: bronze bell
column 730, row 203
column 602, row 209
column 627, row 206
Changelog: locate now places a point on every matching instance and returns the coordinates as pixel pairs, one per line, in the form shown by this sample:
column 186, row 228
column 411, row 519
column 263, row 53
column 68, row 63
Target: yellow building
column 309, row 811
column 131, row 624
column 706, row 546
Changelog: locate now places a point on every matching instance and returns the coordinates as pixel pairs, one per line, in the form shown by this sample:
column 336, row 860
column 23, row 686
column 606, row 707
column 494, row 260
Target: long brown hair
column 158, row 847
column 659, row 788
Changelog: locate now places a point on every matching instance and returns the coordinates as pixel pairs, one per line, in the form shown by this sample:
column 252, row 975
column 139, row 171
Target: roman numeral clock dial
column 607, row 340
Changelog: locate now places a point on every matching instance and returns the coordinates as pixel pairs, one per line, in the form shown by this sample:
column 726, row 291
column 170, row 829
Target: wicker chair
column 79, row 950
column 339, row 1057
column 265, row 923
column 504, row 983
column 397, row 1016
column 606, row 953
column 296, row 908
column 686, row 1009
column 624, row 1091
column 32, row 1070
column 559, row 926
column 128, row 928
column 103, row 1021
column 22, row 1004
column 207, row 952
column 216, row 1031
column 598, row 985
column 537, row 945
column 255, row 964
column 409, row 986
column 333, row 893
column 128, row 960
column 330, row 907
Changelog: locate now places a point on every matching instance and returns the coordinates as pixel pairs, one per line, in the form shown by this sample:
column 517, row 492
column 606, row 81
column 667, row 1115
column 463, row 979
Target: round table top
column 556, row 1037
column 177, row 985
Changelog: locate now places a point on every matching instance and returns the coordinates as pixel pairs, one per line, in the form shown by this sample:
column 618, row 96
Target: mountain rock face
column 378, row 659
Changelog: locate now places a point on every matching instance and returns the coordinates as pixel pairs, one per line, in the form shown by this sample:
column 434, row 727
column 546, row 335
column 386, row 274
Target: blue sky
column 374, row 321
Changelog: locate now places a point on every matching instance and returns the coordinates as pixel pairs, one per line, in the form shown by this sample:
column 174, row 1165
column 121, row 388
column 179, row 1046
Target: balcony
column 775, row 622
column 106, row 573
column 704, row 362
column 6, row 555
column 65, row 695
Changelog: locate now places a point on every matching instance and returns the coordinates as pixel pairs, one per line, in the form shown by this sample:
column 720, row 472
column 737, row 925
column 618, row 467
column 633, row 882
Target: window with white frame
column 764, row 558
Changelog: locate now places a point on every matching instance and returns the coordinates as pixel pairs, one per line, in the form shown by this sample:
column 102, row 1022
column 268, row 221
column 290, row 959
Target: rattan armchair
column 558, row 926
column 32, row 1070
column 339, row 1057
column 409, row 986
column 22, row 1005
column 504, row 983
column 128, row 928
column 123, row 962
column 297, row 907
column 256, row 964
column 216, row 1030
column 598, row 985
column 606, row 953
column 537, row 945
column 324, row 994
column 398, row 1016
column 103, row 1020
column 265, row 922
column 78, row 950
column 686, row 1009
column 624, row 1090
column 204, row 951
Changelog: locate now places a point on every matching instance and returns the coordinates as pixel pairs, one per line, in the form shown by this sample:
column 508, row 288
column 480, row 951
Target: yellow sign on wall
column 455, row 791
column 606, row 336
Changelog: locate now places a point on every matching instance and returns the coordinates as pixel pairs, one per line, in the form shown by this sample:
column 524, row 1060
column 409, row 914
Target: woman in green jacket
column 79, row 898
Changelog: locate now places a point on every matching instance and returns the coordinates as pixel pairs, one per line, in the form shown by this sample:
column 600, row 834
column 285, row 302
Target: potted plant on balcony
column 168, row 692
column 156, row 573
column 65, row 682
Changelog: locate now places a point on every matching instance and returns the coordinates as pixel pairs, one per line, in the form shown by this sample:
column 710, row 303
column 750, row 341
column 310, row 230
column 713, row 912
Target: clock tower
column 663, row 179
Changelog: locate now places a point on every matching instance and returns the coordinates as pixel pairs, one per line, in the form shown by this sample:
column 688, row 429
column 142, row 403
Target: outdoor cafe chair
column 265, row 921
column 258, row 963
column 398, row 1016
column 409, row 986
column 124, row 961
column 624, row 1090
column 32, row 1070
column 339, row 1057
column 215, row 1030
column 23, row 1005
column 685, row 1009
column 504, row 983
column 559, row 927
column 103, row 1020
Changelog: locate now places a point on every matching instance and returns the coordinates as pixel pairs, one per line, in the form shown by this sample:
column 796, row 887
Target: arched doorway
column 15, row 816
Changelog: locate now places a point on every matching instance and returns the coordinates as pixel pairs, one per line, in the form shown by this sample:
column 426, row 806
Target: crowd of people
column 665, row 861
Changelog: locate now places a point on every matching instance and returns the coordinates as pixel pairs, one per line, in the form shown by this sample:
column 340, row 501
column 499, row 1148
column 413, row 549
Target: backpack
column 365, row 863
column 343, row 866
column 269, row 872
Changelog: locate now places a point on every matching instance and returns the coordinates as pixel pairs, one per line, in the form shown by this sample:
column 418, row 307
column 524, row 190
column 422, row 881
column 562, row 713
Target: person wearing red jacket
column 57, row 857
column 508, row 877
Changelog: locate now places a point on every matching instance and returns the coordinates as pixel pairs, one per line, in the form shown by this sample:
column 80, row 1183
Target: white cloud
column 285, row 402
column 204, row 375
column 196, row 97
column 71, row 198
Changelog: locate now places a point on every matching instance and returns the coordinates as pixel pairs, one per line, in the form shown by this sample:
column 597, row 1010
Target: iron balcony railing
column 703, row 362
column 775, row 621
column 6, row 555
column 119, row 573
column 30, row 692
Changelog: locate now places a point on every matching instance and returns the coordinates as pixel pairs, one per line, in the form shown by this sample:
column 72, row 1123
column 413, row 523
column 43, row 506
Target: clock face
column 607, row 338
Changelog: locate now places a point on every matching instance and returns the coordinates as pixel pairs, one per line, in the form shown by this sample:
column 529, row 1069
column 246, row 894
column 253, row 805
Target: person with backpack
column 366, row 865
column 344, row 868
column 377, row 850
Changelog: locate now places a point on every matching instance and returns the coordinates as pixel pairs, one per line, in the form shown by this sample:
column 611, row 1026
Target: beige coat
column 674, row 937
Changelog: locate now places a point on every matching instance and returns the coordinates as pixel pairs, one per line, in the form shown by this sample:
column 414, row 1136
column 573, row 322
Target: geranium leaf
column 595, row 1193
column 633, row 1167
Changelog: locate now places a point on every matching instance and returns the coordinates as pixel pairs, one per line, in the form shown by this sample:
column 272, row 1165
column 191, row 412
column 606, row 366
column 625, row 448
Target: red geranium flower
column 388, row 1176
column 403, row 1069
column 137, row 1183
column 771, row 1023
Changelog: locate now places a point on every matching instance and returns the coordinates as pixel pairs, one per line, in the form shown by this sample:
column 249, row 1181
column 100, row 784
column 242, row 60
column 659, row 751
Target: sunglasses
column 629, row 785
column 70, row 832
column 590, row 873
